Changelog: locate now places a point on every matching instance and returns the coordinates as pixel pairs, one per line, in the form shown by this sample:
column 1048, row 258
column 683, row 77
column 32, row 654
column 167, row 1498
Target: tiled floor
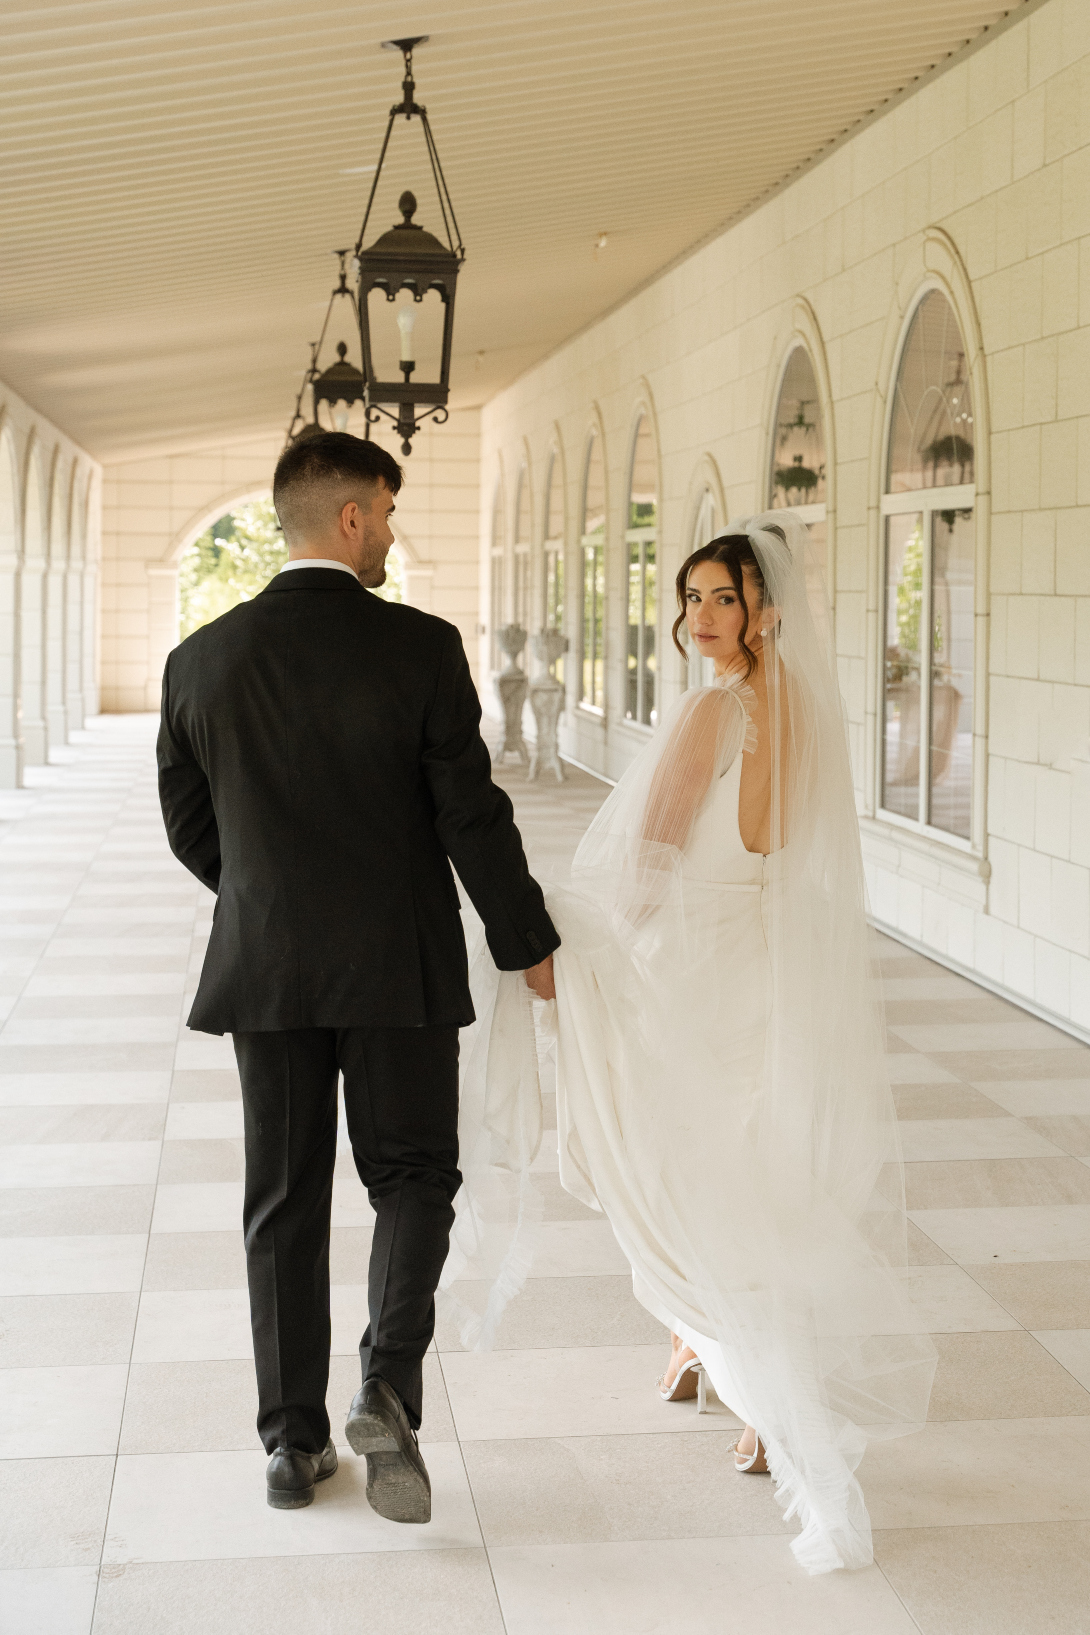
column 568, row 1500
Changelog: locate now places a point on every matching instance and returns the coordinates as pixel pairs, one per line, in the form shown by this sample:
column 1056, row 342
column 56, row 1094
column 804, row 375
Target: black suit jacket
column 320, row 759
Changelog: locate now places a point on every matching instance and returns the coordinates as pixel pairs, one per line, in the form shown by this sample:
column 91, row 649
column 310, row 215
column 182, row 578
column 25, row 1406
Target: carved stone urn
column 511, row 685
column 547, row 701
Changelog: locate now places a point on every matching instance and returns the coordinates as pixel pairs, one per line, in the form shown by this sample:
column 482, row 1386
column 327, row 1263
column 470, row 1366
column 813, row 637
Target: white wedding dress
column 721, row 1085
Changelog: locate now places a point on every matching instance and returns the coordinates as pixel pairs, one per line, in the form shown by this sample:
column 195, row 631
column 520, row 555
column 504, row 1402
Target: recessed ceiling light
column 356, row 170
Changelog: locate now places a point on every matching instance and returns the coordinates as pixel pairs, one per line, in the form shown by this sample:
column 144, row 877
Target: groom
column 320, row 761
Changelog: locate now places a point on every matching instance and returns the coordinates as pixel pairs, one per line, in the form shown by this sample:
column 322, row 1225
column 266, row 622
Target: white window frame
column 925, row 501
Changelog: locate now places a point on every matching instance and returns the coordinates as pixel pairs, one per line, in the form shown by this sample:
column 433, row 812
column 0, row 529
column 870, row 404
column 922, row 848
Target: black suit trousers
column 401, row 1102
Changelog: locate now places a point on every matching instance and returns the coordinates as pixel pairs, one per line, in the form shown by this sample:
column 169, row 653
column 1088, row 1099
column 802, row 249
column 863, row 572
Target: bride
column 721, row 1087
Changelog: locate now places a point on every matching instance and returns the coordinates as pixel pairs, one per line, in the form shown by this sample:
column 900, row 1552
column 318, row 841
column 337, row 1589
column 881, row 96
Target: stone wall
column 977, row 183
column 49, row 562
column 154, row 508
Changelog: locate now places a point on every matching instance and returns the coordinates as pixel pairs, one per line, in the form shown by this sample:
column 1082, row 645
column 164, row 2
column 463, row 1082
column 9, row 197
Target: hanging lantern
column 339, row 386
column 408, row 257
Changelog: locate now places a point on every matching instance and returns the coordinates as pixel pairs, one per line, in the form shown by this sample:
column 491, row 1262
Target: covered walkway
column 568, row 1499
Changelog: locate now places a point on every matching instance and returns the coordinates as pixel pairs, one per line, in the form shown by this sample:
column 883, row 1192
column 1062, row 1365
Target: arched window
column 641, row 538
column 522, row 550
column 928, row 593
column 496, row 616
column 593, row 539
column 553, row 554
column 797, row 475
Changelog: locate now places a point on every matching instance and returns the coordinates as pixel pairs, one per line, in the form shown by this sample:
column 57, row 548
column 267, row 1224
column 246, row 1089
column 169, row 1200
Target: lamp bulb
column 406, row 318
column 340, row 415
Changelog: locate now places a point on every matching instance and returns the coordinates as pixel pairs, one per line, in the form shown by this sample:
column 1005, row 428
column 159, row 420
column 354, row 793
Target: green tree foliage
column 235, row 559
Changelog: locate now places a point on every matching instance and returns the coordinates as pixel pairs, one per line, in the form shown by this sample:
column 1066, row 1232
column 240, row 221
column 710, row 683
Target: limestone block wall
column 154, row 508
column 50, row 505
column 976, row 184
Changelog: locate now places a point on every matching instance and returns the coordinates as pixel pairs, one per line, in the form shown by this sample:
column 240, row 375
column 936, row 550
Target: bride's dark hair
column 736, row 554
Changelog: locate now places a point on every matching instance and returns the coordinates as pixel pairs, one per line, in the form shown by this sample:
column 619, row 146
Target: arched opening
column 522, row 550
column 553, row 553
column 641, row 542
column 32, row 617
column 796, row 477
column 234, row 558
column 56, row 714
column 928, row 579
column 11, row 760
column 592, row 534
column 496, row 588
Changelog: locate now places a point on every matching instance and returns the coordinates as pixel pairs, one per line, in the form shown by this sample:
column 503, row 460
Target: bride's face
column 714, row 613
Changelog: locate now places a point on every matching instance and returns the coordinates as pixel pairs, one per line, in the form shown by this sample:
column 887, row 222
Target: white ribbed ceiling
column 172, row 178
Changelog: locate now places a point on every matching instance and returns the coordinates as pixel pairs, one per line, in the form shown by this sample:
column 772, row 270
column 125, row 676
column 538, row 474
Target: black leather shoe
column 292, row 1474
column 397, row 1478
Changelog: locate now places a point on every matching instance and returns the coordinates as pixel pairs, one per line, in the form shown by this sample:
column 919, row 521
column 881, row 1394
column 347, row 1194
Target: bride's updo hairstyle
column 736, row 554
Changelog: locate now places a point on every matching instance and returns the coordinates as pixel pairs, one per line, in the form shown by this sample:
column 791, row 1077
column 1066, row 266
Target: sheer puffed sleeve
column 631, row 853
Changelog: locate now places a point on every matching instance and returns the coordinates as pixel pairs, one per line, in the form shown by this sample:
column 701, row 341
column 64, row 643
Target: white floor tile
column 92, row 1030
column 132, row 947
column 60, row 1412
column 198, row 1206
column 72, row 1265
column 1024, row 1033
column 1018, row 1232
column 203, row 1506
column 203, row 1120
column 577, row 1249
column 47, row 1600
column 350, row 1205
column 909, row 1067
column 80, row 1164
column 1071, row 1348
column 204, row 1050
column 591, row 1391
column 112, row 983
column 189, row 1325
column 81, row 1089
column 939, row 1139
column 699, row 1586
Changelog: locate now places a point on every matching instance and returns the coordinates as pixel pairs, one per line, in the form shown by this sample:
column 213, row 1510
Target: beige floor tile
column 946, row 1300
column 205, row 1160
column 1002, row 1376
column 85, row 1058
column 1044, row 1294
column 197, row 1506
column 1070, row 1132
column 49, row 1010
column 55, row 1412
column 196, row 1260
column 54, row 1330
column 934, row 1101
column 75, row 1211
column 49, row 984
column 204, row 1050
column 193, row 1325
column 909, row 1067
column 577, row 1249
column 1016, row 1032
column 442, row 1592
column 943, row 1139
column 922, row 1250
column 962, row 1473
column 198, row 1206
column 975, row 1236
column 1029, row 1579
column 996, row 1183
column 141, row 1121
column 985, row 1067
column 592, row 1391
column 964, row 1006
column 81, row 1089
column 1040, row 1098
column 564, row 1311
column 596, row 1489
column 206, row 1084
column 690, row 1585
column 53, row 1511
column 60, row 1600
column 1071, row 1348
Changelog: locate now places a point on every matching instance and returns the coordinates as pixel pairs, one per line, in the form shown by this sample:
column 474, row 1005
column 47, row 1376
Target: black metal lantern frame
column 409, row 257
column 342, row 382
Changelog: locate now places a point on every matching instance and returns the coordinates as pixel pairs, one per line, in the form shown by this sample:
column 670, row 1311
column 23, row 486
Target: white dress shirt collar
column 317, row 562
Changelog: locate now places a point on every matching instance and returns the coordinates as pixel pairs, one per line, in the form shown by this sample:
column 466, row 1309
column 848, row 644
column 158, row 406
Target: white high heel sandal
column 754, row 1462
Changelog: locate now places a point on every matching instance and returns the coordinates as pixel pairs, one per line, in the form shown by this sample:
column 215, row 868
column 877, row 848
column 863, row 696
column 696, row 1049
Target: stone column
column 56, row 711
column 73, row 645
column 163, row 616
column 11, row 739
column 90, row 639
column 32, row 661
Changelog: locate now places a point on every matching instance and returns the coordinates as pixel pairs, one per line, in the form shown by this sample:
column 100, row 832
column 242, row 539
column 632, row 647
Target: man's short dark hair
column 318, row 475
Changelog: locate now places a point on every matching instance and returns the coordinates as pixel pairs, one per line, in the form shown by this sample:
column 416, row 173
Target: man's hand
column 539, row 979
